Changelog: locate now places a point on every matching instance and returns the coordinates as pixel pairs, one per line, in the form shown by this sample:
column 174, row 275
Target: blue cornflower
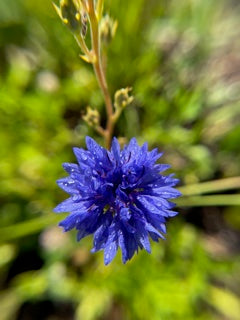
column 119, row 195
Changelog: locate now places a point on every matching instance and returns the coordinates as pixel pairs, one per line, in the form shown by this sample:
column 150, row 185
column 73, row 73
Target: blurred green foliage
column 182, row 60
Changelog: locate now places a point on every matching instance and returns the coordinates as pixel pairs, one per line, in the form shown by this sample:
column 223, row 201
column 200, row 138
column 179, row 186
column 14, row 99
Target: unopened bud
column 108, row 29
column 92, row 117
column 70, row 14
column 122, row 98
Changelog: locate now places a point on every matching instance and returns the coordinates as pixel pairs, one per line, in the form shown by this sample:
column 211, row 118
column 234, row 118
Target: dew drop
column 75, row 197
column 84, row 157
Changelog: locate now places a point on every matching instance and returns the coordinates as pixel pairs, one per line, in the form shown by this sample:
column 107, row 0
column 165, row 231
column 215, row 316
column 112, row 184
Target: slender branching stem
column 99, row 71
column 83, row 46
column 101, row 131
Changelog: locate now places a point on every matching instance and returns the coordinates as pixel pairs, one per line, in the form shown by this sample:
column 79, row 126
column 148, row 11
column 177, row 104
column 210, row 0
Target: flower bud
column 92, row 117
column 108, row 29
column 122, row 98
column 69, row 13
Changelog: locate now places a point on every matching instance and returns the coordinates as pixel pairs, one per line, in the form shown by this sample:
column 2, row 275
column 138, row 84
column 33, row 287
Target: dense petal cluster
column 120, row 196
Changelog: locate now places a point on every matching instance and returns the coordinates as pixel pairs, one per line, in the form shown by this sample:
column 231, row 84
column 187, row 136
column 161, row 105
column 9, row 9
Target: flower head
column 120, row 196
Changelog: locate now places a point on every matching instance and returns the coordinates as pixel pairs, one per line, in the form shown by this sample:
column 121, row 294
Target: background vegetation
column 182, row 60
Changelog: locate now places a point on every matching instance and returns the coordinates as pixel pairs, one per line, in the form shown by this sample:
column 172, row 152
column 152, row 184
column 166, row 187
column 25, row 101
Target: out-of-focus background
column 182, row 60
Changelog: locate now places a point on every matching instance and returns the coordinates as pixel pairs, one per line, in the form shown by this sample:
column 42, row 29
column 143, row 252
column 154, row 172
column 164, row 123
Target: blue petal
column 82, row 233
column 162, row 167
column 122, row 195
column 153, row 230
column 122, row 245
column 70, row 167
column 170, row 181
column 69, row 205
column 133, row 149
column 166, row 192
column 148, row 206
column 100, row 238
column 142, row 237
column 72, row 220
column 84, row 158
column 142, row 155
column 154, row 237
column 67, row 184
column 110, row 251
column 131, row 245
column 128, row 245
column 115, row 149
column 156, row 221
column 102, row 233
column 95, row 149
column 88, row 225
column 132, row 146
column 125, row 216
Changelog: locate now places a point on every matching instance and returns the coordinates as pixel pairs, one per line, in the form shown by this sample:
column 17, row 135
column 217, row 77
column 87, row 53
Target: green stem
column 98, row 68
column 214, row 200
column 83, row 46
column 211, row 186
column 28, row 227
column 99, row 9
column 100, row 131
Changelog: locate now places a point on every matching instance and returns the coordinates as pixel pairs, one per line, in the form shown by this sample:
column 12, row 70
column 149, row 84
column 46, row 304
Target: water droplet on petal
column 83, row 156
